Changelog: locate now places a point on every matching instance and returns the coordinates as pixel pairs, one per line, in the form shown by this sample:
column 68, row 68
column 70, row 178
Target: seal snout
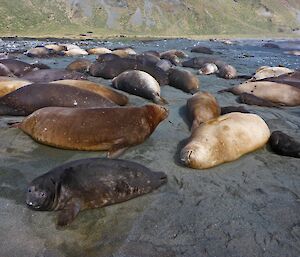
column 186, row 156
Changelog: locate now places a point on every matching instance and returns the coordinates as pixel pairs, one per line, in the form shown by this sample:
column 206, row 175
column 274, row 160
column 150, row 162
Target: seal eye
column 29, row 190
column 43, row 194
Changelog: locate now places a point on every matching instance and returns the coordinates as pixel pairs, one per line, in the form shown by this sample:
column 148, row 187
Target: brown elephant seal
column 8, row 86
column 229, row 109
column 198, row 62
column 171, row 58
column 208, row 68
column 293, row 52
column 39, row 51
column 270, row 72
column 183, row 80
column 99, row 89
column 202, row 107
column 30, row 98
column 56, row 48
column 251, row 99
column 202, row 50
column 139, row 83
column 48, row 75
column 90, row 183
column 275, row 92
column 99, row 50
column 124, row 52
column 178, row 53
column 107, row 57
column 227, row 71
column 75, row 52
column 18, row 68
column 283, row 144
column 80, row 65
column 224, row 139
column 112, row 129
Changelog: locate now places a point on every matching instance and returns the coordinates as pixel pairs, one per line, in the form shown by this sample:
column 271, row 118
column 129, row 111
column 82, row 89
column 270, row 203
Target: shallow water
column 249, row 207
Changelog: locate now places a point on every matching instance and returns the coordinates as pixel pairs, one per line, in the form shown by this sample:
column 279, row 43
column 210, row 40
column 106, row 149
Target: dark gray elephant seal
column 183, row 80
column 90, row 183
column 283, row 144
column 18, row 68
column 30, row 98
column 202, row 50
column 139, row 83
column 48, row 75
column 251, row 99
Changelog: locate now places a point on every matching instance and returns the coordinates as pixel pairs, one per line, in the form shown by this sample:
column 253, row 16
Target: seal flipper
column 116, row 152
column 68, row 214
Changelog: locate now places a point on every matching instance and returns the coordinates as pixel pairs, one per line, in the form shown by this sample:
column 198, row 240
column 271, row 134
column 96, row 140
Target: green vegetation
column 173, row 18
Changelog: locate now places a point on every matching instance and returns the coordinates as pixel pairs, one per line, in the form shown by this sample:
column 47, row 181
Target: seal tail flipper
column 160, row 178
column 14, row 124
column 159, row 100
column 67, row 215
column 115, row 153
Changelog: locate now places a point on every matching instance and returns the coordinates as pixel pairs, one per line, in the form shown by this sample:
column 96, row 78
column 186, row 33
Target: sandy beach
column 246, row 208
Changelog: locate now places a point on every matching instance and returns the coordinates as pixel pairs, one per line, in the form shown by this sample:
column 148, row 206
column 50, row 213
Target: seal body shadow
column 90, row 183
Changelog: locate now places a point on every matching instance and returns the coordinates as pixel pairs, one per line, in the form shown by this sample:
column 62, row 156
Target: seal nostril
column 189, row 154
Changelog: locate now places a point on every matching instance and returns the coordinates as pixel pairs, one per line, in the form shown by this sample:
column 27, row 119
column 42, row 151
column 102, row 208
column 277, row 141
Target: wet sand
column 249, row 207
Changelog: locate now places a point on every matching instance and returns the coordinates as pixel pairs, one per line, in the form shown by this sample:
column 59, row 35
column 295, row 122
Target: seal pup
column 139, row 83
column 79, row 65
column 97, row 88
column 48, row 75
column 208, row 68
column 202, row 107
column 224, row 139
column 282, row 94
column 92, row 129
column 183, row 80
column 18, row 68
column 283, row 144
column 90, row 183
column 226, row 71
column 30, row 98
column 250, row 99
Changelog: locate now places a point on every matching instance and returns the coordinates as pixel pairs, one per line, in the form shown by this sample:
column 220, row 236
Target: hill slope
column 148, row 17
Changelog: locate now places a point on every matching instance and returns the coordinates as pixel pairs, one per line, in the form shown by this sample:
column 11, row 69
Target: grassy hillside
column 148, row 18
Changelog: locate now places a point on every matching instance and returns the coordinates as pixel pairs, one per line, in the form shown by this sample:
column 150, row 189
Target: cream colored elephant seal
column 224, row 139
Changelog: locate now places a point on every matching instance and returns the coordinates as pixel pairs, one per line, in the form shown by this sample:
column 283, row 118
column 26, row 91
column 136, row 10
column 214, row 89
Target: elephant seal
column 275, row 92
column 171, row 58
column 229, row 109
column 48, row 75
column 178, row 53
column 198, row 62
column 30, row 98
column 208, row 68
column 40, row 52
column 99, row 50
column 75, row 52
column 90, row 183
column 107, row 57
column 18, row 68
column 124, row 52
column 202, row 107
column 271, row 45
column 292, row 79
column 226, row 71
column 283, row 144
column 293, row 52
column 79, row 65
column 224, row 139
column 183, row 80
column 251, row 99
column 152, row 52
column 112, row 129
column 270, row 72
column 202, row 50
column 56, row 48
column 99, row 89
column 8, row 86
column 139, row 83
